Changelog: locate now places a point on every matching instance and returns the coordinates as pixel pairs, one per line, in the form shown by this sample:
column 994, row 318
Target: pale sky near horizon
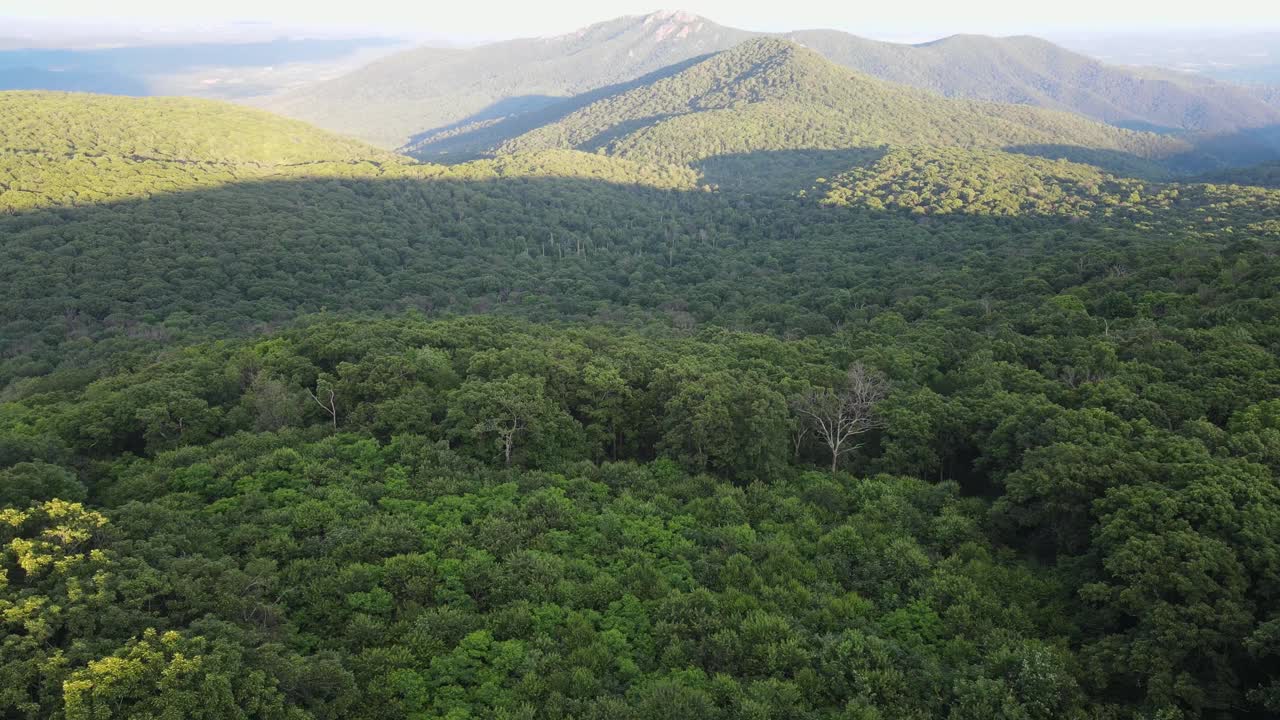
column 501, row 19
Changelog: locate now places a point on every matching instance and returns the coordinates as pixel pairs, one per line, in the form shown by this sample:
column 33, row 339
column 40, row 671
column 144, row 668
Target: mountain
column 434, row 101
column 772, row 95
column 1030, row 71
column 426, row 90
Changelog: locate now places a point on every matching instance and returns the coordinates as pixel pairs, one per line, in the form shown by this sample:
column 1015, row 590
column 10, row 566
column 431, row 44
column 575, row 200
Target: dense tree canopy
column 656, row 542
column 959, row 433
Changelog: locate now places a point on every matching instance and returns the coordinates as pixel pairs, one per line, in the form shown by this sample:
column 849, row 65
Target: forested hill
column 59, row 149
column 1063, row 505
column 178, row 130
column 545, row 234
column 79, row 149
column 770, row 95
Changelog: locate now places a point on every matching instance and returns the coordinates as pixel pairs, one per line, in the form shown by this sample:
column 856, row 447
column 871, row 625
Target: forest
column 868, row 429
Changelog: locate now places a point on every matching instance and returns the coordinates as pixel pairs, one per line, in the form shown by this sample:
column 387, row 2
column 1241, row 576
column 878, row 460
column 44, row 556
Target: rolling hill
column 78, row 149
column 75, row 149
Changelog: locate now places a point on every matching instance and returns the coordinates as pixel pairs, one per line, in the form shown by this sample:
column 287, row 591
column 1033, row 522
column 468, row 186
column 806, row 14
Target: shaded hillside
column 469, row 140
column 1263, row 175
column 769, row 95
column 430, row 90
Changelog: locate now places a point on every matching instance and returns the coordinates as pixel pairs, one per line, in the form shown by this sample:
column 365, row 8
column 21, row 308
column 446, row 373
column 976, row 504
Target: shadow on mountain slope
column 1240, row 148
column 1111, row 161
column 465, row 135
column 482, row 132
column 785, row 171
column 85, row 286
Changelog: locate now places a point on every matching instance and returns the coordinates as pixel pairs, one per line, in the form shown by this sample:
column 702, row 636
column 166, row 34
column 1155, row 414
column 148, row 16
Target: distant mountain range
column 1031, row 71
column 432, row 100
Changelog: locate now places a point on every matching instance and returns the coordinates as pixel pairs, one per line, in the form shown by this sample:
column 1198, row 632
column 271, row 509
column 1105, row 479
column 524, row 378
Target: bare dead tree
column 506, row 428
column 838, row 416
column 329, row 401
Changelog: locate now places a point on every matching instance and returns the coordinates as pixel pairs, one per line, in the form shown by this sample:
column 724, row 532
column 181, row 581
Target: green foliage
column 948, row 181
column 68, row 149
column 506, row 412
column 401, row 567
column 598, row 502
column 771, row 95
column 569, row 235
column 945, row 181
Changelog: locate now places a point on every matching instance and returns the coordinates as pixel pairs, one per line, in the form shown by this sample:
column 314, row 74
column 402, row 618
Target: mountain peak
column 682, row 16
column 672, row 24
column 774, row 51
column 768, row 43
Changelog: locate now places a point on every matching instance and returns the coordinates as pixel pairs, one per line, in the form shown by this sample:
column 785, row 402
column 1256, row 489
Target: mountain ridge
column 397, row 101
column 770, row 94
column 428, row 88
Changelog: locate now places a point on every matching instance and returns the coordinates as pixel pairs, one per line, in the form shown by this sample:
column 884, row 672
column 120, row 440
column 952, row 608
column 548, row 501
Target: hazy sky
column 490, row 19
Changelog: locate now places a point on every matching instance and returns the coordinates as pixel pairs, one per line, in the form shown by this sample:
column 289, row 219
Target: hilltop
column 769, row 95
